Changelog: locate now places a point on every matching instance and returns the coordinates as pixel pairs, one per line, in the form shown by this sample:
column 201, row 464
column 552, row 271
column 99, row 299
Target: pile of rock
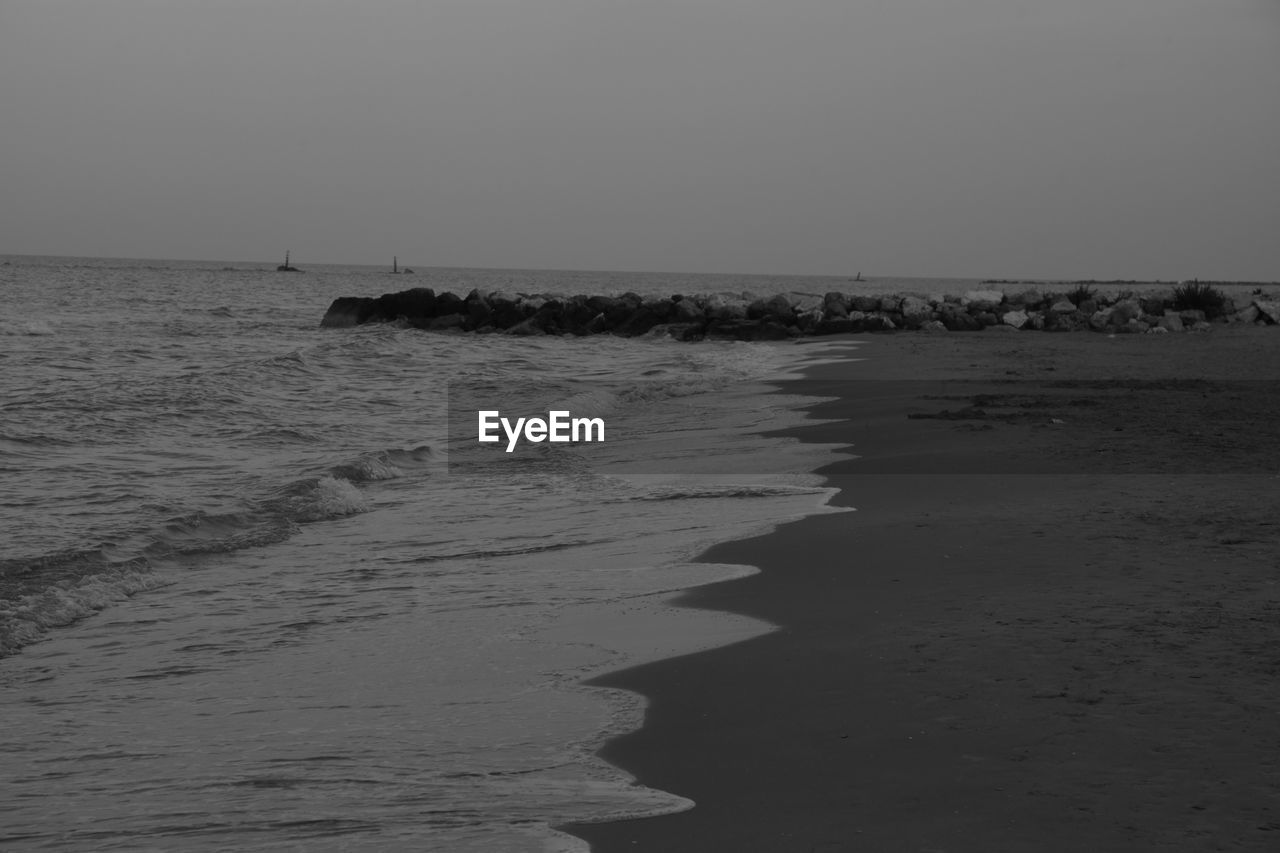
column 785, row 315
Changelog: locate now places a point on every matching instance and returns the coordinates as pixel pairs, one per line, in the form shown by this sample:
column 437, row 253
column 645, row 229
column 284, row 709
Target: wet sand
column 1052, row 623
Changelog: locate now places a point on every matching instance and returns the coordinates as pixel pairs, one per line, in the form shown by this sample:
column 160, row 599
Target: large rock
column 1024, row 298
column 1124, row 311
column 647, row 315
column 835, row 304
column 577, row 315
column 721, row 309
column 1268, row 310
column 417, row 306
column 479, row 310
column 779, row 308
column 447, row 303
column 956, row 319
column 688, row 311
column 506, row 309
column 915, row 312
column 347, row 311
column 1248, row 315
column 1171, row 322
column 978, row 301
column 1017, row 319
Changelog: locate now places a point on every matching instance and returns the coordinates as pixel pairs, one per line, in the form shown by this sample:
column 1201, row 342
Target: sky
column 1105, row 139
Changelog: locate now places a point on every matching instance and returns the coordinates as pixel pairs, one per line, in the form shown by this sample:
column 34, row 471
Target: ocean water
column 250, row 601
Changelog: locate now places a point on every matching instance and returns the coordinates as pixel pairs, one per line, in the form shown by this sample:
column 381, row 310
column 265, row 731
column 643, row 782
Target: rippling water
column 246, row 604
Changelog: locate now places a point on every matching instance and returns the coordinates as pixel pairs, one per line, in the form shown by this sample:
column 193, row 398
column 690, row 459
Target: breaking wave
column 59, row 588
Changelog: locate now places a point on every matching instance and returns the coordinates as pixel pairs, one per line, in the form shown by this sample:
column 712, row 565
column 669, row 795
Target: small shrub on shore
column 1198, row 297
column 1082, row 293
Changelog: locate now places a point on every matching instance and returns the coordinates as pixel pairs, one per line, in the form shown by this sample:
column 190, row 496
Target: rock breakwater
column 788, row 315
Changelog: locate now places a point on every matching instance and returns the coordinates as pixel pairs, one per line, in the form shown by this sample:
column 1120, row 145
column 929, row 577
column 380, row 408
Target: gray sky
column 1040, row 138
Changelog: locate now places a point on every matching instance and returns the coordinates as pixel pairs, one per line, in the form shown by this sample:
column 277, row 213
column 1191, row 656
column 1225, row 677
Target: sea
column 252, row 599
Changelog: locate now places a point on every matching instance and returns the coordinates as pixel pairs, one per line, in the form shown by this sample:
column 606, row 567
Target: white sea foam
column 24, row 620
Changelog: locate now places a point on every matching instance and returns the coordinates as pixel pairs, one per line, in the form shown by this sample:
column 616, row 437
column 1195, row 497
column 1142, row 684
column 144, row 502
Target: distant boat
column 858, row 277
column 285, row 266
column 395, row 267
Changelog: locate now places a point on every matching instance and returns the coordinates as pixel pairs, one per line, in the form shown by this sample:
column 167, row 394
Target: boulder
column 578, row 315
column 835, row 304
column 622, row 308
column 1016, row 319
column 479, row 311
column 1124, row 311
column 1248, row 315
column 1100, row 319
column 719, row 308
column 1063, row 306
column 416, row 305
column 505, row 309
column 1024, row 298
column 956, row 319
column 915, row 312
column 1170, row 322
column 933, row 326
column 1192, row 315
column 808, row 320
column 688, row 311
column 346, row 311
column 865, row 304
column 1268, row 310
column 803, row 302
column 448, row 303
column 779, row 308
column 982, row 300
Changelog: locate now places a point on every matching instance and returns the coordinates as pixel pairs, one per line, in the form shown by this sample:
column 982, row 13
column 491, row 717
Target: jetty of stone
column 789, row 315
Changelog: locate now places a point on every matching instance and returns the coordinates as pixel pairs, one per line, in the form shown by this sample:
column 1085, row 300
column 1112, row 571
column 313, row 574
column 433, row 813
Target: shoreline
column 993, row 660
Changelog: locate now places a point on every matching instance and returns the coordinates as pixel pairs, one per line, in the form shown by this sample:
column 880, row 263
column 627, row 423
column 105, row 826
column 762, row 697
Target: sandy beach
column 1052, row 622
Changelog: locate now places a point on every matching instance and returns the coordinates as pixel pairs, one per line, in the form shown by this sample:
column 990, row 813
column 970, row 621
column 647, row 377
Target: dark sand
column 1001, row 660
